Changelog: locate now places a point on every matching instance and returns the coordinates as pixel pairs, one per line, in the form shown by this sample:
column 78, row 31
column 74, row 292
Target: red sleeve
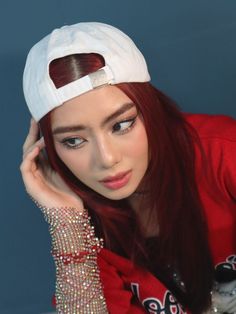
column 218, row 136
column 119, row 297
column 132, row 290
column 216, row 179
column 229, row 171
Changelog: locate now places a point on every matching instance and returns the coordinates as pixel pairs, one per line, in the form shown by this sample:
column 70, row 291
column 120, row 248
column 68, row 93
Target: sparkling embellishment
column 75, row 249
column 224, row 298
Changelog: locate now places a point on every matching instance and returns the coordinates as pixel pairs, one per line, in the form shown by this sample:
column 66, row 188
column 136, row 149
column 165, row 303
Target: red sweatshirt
column 129, row 289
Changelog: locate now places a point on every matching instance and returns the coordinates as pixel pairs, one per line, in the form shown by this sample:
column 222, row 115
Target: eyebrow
column 73, row 128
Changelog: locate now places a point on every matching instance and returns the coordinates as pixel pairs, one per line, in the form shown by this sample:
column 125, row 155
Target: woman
column 125, row 165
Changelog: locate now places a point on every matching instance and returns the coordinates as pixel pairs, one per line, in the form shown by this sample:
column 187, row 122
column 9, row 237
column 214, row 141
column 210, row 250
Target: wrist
column 73, row 236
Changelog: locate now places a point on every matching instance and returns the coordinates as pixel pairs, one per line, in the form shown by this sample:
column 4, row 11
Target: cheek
column 138, row 146
column 77, row 163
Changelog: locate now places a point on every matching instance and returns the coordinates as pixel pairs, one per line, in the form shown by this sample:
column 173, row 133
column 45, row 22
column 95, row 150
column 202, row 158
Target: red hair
column 170, row 180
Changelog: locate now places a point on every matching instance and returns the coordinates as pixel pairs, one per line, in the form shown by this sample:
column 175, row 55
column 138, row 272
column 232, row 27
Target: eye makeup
column 119, row 128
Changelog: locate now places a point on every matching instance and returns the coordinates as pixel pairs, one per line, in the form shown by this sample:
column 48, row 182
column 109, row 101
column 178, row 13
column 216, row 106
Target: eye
column 73, row 142
column 124, row 126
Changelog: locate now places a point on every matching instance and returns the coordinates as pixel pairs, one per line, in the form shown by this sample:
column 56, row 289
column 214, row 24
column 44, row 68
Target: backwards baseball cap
column 123, row 63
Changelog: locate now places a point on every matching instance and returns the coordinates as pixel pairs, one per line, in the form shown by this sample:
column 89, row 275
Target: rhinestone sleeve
column 74, row 249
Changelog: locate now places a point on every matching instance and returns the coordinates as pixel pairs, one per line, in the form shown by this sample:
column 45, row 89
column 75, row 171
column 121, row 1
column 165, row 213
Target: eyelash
column 121, row 132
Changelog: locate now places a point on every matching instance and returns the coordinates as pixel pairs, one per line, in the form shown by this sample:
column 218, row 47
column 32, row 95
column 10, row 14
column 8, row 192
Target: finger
column 42, row 157
column 32, row 135
column 40, row 143
column 31, row 158
column 29, row 161
column 27, row 168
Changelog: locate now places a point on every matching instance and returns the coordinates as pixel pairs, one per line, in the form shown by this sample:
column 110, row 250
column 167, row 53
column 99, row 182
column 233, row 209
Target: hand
column 41, row 181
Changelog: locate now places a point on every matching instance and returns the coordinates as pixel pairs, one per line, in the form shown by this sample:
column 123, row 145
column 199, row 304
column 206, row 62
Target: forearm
column 78, row 288
column 75, row 248
column 78, row 285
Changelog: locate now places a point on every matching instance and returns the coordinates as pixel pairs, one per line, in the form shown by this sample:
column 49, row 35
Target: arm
column 74, row 248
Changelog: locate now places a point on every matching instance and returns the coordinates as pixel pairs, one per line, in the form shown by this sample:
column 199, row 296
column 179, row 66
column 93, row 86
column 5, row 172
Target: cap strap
column 86, row 83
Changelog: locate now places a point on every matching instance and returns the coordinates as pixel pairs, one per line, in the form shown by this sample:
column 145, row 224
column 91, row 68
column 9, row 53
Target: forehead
column 91, row 106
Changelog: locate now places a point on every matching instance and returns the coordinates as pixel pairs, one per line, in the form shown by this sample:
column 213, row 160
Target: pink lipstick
column 118, row 181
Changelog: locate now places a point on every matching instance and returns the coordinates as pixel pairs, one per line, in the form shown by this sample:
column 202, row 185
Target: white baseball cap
column 123, row 63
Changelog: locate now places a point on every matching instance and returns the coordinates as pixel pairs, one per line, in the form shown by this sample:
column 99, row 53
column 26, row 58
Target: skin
column 101, row 148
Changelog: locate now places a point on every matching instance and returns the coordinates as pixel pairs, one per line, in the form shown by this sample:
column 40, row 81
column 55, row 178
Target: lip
column 117, row 181
column 116, row 177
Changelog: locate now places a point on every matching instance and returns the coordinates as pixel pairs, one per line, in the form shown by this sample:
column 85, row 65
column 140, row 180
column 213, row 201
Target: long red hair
column 182, row 242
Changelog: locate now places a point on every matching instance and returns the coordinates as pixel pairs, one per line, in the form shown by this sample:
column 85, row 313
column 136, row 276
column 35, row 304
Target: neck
column 146, row 216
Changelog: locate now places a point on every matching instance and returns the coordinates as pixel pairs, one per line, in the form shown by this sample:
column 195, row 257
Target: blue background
column 190, row 49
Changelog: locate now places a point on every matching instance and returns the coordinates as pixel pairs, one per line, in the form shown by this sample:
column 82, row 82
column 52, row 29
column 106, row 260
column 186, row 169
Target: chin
column 117, row 194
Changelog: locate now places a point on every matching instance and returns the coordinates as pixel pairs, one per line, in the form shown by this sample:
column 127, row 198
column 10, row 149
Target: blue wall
column 190, row 48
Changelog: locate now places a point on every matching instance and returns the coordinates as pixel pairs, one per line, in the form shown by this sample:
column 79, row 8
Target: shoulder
column 217, row 167
column 213, row 126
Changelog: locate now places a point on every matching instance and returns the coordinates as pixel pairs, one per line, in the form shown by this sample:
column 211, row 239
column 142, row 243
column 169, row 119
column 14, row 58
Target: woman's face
column 101, row 138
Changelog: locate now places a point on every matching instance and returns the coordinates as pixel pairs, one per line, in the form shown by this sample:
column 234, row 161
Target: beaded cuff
column 75, row 248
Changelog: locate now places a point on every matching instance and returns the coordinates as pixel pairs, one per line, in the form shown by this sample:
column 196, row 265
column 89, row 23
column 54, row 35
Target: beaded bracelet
column 74, row 248
column 73, row 236
column 75, row 257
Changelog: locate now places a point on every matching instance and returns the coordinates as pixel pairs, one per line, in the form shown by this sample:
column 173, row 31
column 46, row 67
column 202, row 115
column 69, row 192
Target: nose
column 107, row 153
